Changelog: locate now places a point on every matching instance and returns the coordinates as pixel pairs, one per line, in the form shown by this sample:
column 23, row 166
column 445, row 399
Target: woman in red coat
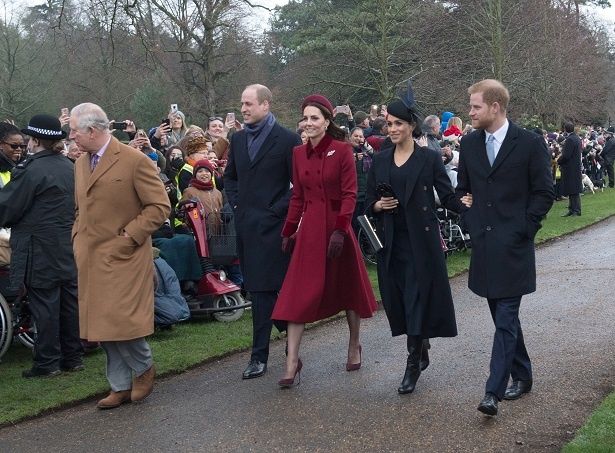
column 326, row 273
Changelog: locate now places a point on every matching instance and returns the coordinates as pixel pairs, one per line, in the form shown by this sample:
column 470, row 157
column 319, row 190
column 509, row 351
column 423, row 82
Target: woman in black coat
column 411, row 267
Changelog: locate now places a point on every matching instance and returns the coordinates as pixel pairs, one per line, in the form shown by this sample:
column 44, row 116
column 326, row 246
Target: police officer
column 38, row 205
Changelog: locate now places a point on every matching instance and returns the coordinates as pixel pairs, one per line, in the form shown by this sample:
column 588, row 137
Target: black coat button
column 489, row 204
column 488, row 228
column 426, row 228
column 489, row 180
column 424, row 208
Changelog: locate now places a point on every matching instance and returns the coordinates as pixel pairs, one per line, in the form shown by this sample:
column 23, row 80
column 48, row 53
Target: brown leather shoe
column 142, row 386
column 114, row 399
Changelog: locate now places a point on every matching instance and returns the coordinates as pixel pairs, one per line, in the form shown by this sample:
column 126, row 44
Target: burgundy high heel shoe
column 290, row 382
column 354, row 366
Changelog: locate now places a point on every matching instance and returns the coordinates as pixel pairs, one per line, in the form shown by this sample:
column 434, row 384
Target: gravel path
column 568, row 326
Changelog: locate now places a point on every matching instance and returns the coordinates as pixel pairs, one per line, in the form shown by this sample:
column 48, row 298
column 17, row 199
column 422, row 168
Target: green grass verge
column 598, row 434
column 175, row 350
column 195, row 342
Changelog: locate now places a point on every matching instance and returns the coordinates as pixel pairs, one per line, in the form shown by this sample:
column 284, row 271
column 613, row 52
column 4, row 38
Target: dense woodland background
column 136, row 57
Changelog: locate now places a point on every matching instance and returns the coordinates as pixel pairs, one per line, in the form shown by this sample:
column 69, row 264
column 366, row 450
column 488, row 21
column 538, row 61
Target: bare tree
column 24, row 65
column 202, row 34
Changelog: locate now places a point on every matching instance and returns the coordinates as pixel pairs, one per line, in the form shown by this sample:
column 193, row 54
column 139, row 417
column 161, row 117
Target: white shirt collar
column 500, row 134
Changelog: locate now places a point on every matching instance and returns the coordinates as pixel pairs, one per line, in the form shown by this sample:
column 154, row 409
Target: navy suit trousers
column 508, row 356
column 263, row 303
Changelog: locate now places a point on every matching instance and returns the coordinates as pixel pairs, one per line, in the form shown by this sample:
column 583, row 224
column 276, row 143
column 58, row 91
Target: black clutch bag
column 370, row 232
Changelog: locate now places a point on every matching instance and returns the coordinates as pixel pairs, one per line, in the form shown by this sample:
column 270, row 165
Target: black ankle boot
column 413, row 368
column 425, row 354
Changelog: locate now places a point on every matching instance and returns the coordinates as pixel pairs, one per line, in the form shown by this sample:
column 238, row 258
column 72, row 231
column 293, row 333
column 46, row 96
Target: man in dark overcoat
column 38, row 204
column 608, row 155
column 257, row 183
column 508, row 172
column 569, row 162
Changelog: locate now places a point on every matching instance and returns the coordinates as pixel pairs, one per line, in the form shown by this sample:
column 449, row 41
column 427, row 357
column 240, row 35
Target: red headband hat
column 320, row 100
column 203, row 163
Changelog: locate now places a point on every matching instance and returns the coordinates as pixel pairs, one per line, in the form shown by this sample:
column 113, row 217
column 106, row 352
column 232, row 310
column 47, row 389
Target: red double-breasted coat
column 323, row 200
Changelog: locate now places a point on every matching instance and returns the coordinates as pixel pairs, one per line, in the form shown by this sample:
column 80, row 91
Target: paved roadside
column 568, row 325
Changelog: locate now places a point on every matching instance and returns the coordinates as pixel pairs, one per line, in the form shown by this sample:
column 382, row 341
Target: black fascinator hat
column 404, row 107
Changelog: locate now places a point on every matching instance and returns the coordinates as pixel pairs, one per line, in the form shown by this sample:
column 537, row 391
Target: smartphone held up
column 118, row 125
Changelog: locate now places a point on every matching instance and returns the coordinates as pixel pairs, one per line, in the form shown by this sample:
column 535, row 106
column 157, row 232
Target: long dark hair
column 333, row 130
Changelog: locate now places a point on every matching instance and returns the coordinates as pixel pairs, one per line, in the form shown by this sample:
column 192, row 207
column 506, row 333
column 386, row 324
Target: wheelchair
column 452, row 232
column 15, row 319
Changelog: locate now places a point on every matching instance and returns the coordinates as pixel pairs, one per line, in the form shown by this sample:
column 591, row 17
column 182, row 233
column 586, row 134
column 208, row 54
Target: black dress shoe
column 517, row 389
column 568, row 214
column 37, row 372
column 489, row 404
column 255, row 369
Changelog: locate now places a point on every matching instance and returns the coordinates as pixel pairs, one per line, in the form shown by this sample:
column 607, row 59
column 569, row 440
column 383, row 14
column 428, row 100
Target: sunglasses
column 15, row 146
column 215, row 118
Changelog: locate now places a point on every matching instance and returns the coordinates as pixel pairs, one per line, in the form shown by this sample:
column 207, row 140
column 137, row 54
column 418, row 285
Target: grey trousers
column 125, row 358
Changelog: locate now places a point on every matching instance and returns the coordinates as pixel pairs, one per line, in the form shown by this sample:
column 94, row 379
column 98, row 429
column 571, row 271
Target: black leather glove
column 336, row 244
column 177, row 163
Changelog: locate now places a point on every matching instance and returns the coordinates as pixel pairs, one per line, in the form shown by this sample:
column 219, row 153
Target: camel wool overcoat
column 115, row 272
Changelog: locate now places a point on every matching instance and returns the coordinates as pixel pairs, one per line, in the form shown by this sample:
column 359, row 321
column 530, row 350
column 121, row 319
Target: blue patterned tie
column 491, row 149
column 94, row 161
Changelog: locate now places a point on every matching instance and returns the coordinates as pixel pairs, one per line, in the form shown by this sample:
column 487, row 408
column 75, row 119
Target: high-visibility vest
column 186, row 167
column 5, row 177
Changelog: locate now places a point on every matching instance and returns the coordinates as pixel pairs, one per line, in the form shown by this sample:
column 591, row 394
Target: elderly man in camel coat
column 120, row 202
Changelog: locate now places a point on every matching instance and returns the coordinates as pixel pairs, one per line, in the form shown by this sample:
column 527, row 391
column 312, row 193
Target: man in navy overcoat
column 257, row 182
column 508, row 172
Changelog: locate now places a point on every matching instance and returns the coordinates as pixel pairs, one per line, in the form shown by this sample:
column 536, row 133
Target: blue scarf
column 257, row 133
